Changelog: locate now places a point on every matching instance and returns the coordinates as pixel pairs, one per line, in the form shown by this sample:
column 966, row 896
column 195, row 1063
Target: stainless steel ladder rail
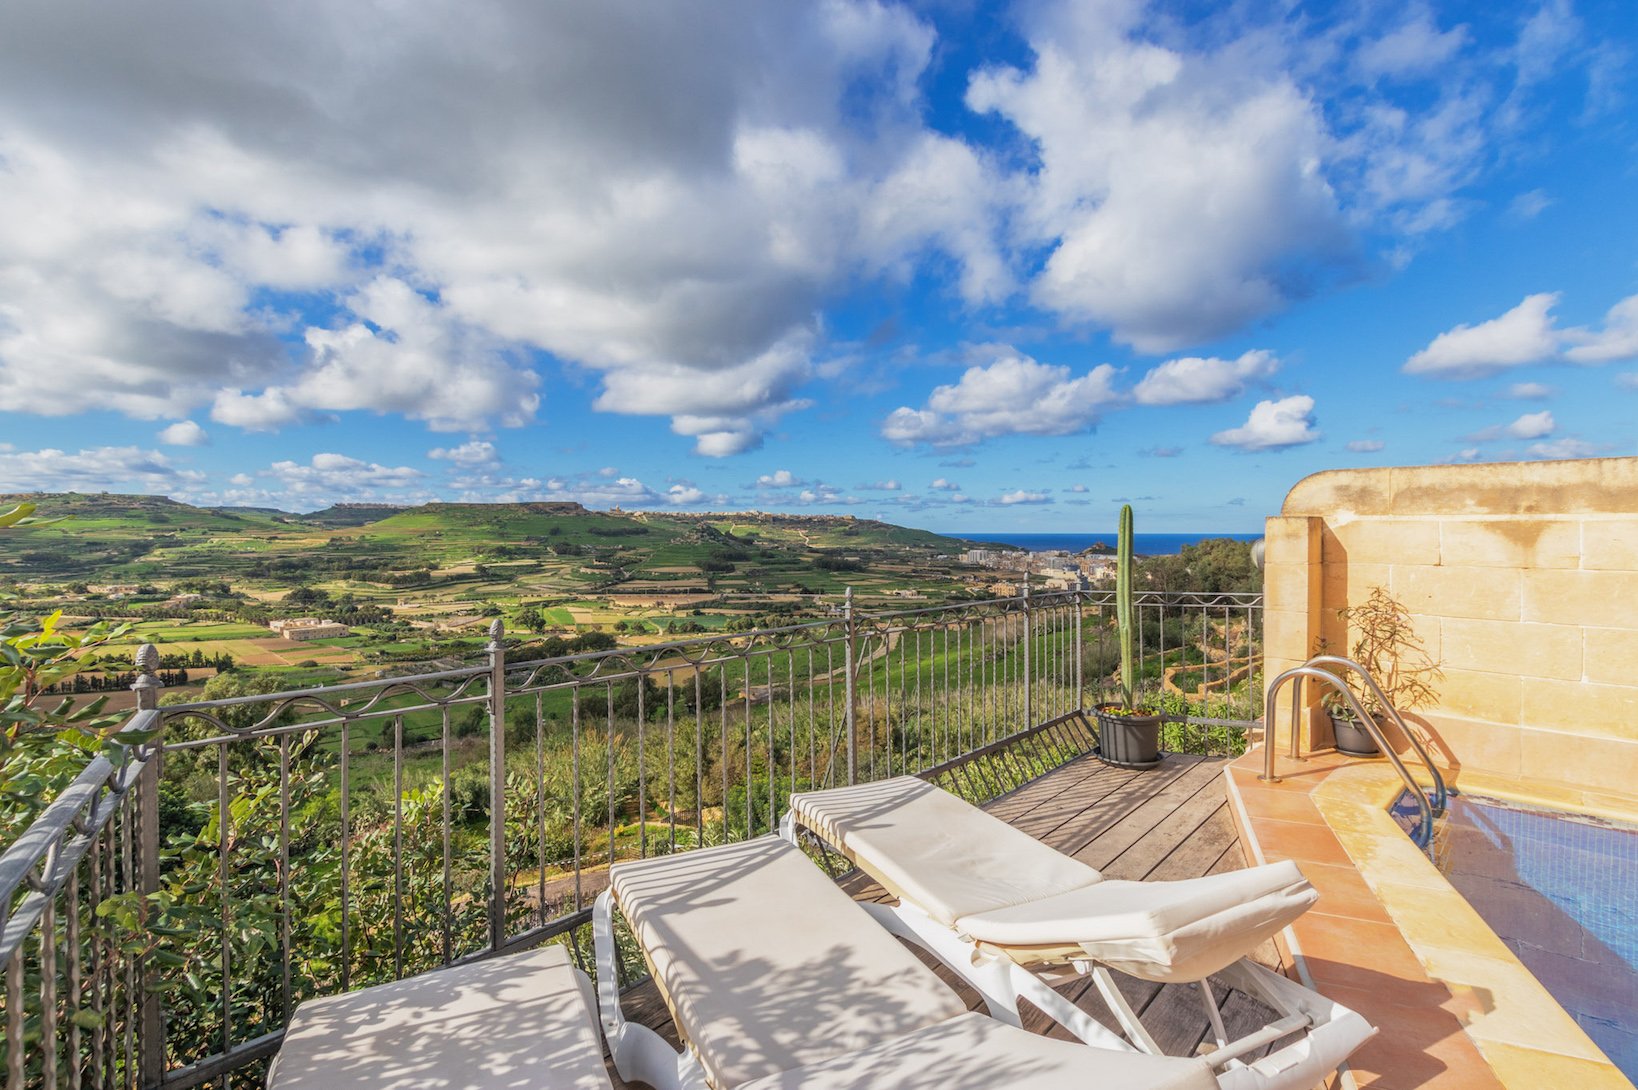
column 1423, row 833
column 1440, row 795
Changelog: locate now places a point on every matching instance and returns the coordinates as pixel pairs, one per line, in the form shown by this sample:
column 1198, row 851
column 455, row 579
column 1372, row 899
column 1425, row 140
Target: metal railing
column 1323, row 668
column 165, row 915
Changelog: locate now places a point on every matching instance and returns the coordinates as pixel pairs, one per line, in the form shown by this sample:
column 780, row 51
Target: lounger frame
column 1334, row 1031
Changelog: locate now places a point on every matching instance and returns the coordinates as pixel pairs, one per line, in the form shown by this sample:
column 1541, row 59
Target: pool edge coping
column 1520, row 1031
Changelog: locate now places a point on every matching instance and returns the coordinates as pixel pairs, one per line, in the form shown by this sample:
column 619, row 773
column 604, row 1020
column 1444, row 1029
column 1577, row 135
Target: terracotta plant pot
column 1128, row 741
column 1353, row 739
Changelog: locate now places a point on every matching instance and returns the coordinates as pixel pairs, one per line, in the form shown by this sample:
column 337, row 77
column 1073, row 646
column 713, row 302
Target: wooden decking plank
column 1243, row 1014
column 1127, row 830
column 1090, row 823
column 1168, row 833
column 1202, row 849
column 1073, row 785
column 1176, row 1019
column 1094, row 796
column 1054, row 787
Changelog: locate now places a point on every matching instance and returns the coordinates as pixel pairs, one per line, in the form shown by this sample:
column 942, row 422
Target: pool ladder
column 1316, row 668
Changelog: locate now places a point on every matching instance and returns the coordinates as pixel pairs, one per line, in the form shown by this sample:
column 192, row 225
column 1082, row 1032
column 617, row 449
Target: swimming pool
column 1561, row 890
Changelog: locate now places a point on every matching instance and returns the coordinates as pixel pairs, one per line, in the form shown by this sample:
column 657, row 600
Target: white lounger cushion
column 945, row 856
column 975, row 1051
column 522, row 1022
column 975, row 873
column 767, row 965
column 1183, row 930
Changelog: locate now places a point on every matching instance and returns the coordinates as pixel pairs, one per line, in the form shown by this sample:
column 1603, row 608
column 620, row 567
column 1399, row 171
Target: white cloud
column 1525, row 334
column 1193, row 380
column 942, row 485
column 1415, row 48
column 1021, row 496
column 184, row 433
column 1273, row 425
column 329, row 478
column 1177, row 192
column 687, row 495
column 1015, row 395
column 888, row 485
column 653, row 199
column 1528, row 426
column 1077, row 488
column 1531, row 426
column 468, row 455
column 1366, row 446
column 1528, row 391
column 1563, row 448
column 782, row 478
column 92, row 469
column 1618, row 340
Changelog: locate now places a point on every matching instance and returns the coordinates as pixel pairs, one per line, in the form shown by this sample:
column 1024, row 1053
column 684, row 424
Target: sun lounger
column 522, row 1022
column 991, row 901
column 776, row 978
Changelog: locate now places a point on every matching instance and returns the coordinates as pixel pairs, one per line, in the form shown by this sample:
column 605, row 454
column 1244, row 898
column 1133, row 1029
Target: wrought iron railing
column 166, row 913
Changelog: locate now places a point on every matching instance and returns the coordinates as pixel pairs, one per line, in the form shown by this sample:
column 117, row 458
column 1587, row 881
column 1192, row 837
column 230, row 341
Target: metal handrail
column 1440, row 795
column 1423, row 833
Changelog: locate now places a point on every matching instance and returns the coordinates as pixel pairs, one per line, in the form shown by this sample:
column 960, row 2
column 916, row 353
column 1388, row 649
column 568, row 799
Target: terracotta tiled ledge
column 1393, row 940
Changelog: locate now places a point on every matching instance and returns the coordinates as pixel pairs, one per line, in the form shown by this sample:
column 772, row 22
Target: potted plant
column 1389, row 648
column 1128, row 733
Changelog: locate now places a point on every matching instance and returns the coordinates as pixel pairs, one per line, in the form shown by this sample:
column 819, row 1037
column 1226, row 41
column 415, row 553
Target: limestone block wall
column 1522, row 582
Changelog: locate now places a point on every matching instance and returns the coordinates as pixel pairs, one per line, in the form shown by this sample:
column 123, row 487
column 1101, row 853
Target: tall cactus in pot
column 1128, row 734
column 1123, row 607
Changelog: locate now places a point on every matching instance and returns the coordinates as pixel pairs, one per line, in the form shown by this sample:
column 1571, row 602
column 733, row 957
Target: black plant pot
column 1128, row 741
column 1353, row 738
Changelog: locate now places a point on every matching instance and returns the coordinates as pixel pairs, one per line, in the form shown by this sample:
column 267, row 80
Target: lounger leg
column 1123, row 1011
column 1218, row 1032
column 640, row 1054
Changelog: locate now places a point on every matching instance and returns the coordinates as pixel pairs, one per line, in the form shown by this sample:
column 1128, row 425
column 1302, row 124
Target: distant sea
column 1142, row 544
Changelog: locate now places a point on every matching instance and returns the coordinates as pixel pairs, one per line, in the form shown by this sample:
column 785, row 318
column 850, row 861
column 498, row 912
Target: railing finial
column 147, row 684
column 497, row 630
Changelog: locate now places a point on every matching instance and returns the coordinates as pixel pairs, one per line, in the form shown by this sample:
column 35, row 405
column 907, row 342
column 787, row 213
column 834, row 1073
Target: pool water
column 1561, row 890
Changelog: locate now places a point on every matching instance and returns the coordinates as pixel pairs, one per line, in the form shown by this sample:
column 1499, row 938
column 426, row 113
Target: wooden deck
column 1167, row 823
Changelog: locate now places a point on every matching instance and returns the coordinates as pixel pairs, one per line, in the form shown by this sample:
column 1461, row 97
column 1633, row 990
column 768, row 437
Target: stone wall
column 1522, row 581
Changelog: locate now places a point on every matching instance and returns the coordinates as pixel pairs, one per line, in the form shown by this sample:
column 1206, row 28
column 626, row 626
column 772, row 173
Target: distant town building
column 184, row 599
column 309, row 628
column 978, row 556
column 114, row 588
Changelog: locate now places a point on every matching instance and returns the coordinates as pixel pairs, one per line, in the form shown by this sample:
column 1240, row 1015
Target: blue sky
column 969, row 267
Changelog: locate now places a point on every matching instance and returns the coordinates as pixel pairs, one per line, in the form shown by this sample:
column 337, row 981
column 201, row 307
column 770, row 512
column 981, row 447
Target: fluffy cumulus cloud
column 1015, row 395
column 1365, row 446
column 1618, row 340
column 888, row 485
column 467, row 455
column 1180, row 194
column 1273, row 425
column 1009, row 499
column 1524, row 335
column 1193, row 380
column 780, row 478
column 94, row 469
column 277, row 213
column 401, row 209
column 941, row 484
column 1528, row 426
column 184, row 433
column 334, row 478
